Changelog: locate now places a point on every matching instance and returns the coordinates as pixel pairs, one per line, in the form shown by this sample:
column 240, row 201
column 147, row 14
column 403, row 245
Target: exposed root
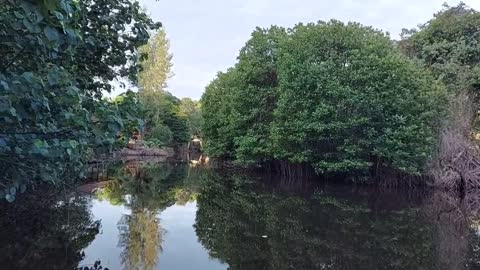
column 457, row 166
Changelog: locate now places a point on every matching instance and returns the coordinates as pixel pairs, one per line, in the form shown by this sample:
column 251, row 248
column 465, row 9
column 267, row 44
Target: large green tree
column 349, row 100
column 57, row 57
column 449, row 46
column 191, row 109
column 337, row 97
column 239, row 104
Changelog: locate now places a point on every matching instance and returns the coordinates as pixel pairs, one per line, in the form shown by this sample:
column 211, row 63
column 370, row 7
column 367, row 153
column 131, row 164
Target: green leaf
column 32, row 28
column 18, row 15
column 58, row 15
column 51, row 33
column 73, row 143
column 39, row 143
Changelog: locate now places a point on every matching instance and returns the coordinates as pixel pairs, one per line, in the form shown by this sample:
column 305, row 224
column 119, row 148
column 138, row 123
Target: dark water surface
column 160, row 216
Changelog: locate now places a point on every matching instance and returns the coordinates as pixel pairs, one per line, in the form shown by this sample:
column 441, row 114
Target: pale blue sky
column 206, row 35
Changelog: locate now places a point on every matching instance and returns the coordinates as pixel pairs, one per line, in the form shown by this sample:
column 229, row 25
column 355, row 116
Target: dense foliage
column 57, row 57
column 338, row 97
column 449, row 45
column 191, row 109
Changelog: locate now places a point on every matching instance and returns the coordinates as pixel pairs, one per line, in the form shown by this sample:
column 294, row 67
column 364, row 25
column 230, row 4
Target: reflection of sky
column 181, row 249
column 105, row 246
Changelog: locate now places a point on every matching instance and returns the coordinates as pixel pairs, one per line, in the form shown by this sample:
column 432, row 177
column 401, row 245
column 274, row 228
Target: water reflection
column 251, row 226
column 161, row 216
column 141, row 238
column 146, row 188
column 45, row 230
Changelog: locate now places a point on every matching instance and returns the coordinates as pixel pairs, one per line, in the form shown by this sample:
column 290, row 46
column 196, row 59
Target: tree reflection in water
column 456, row 224
column 147, row 189
column 141, row 240
column 45, row 230
column 252, row 226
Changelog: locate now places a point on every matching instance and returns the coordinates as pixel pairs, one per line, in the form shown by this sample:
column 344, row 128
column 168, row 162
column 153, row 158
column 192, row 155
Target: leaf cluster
column 338, row 97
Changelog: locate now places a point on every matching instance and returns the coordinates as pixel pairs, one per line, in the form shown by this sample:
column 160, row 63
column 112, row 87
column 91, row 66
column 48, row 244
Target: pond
column 165, row 216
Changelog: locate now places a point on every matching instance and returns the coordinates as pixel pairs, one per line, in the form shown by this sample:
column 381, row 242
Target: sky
column 206, row 36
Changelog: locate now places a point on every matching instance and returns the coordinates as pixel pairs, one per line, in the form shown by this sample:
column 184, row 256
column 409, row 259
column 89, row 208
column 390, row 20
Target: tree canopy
column 164, row 120
column 57, row 58
column 448, row 45
column 338, row 97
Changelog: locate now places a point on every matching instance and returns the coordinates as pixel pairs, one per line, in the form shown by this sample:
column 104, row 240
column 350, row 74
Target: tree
column 162, row 110
column 218, row 126
column 349, row 100
column 57, row 58
column 337, row 97
column 256, row 99
column 192, row 111
column 156, row 64
column 448, row 45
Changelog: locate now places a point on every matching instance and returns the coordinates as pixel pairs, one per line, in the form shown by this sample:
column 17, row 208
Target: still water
column 160, row 216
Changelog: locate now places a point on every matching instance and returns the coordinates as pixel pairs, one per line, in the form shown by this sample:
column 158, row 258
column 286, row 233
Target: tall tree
column 57, row 57
column 449, row 46
column 348, row 100
column 337, row 97
column 156, row 63
column 218, row 126
column 162, row 112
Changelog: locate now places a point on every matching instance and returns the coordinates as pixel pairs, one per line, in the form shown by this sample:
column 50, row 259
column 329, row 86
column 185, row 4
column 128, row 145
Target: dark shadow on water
column 44, row 230
column 285, row 224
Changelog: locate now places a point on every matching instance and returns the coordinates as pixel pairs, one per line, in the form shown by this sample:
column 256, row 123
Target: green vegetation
column 164, row 122
column 58, row 60
column 448, row 45
column 338, row 97
column 191, row 109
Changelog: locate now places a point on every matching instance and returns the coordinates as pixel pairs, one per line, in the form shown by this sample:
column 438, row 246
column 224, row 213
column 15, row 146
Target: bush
column 160, row 135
